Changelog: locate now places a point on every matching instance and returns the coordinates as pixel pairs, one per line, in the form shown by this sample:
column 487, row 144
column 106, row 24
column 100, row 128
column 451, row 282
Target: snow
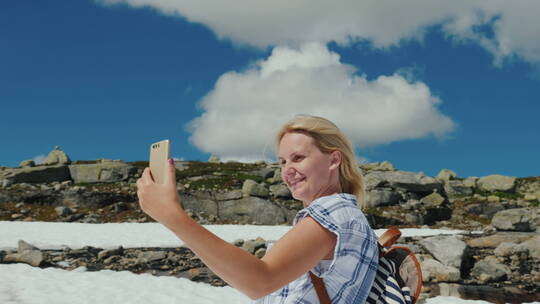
column 23, row 284
column 51, row 235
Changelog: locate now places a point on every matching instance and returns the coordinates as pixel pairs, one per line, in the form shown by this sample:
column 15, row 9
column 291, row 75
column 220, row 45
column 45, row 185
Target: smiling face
column 308, row 172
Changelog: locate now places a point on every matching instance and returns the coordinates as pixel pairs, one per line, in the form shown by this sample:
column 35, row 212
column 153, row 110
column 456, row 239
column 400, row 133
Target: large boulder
column 252, row 188
column 495, row 182
column 90, row 199
column 433, row 200
column 199, row 202
column 30, row 257
column 252, row 210
column 228, row 195
column 446, row 174
column 433, row 270
column 446, row 249
column 383, row 166
column 533, row 246
column 493, row 241
column 409, row 181
column 490, row 269
column 27, row 163
column 106, row 171
column 516, row 219
column 455, row 188
column 40, row 174
column 281, row 191
column 57, row 157
column 381, row 197
column 485, row 209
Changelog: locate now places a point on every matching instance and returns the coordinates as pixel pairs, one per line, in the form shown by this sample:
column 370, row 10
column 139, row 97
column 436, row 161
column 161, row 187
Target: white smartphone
column 159, row 155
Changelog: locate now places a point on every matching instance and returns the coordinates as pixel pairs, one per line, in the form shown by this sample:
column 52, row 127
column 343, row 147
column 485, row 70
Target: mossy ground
column 217, row 176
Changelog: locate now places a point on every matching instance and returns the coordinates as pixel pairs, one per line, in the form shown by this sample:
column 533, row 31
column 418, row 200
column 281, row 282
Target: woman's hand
column 160, row 201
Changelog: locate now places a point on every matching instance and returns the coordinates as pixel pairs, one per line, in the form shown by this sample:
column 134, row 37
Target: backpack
column 398, row 278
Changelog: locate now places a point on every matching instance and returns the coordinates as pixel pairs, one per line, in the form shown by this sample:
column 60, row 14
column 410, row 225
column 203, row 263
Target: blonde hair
column 328, row 138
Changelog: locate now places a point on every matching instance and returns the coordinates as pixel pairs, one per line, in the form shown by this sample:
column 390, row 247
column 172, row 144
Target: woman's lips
column 295, row 182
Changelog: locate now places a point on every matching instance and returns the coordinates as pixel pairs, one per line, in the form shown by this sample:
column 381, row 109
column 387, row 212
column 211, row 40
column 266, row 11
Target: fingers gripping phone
column 159, row 155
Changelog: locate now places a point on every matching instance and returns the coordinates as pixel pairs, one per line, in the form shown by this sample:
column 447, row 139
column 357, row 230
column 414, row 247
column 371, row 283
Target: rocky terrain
column 497, row 259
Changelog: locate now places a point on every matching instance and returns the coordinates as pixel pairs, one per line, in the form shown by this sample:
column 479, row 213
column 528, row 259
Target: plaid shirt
column 349, row 276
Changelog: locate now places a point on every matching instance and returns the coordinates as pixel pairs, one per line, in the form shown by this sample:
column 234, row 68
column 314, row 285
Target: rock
column 505, row 249
column 383, row 166
column 517, row 219
column 276, row 178
column 63, row 211
column 260, row 253
column 484, row 209
column 150, row 256
column 433, row 270
column 493, row 199
column 409, row 181
column 495, row 240
column 119, row 207
column 103, row 254
column 381, row 197
column 27, row 163
column 40, row 174
column 214, row 159
column 490, row 269
column 470, row 181
column 433, row 200
column 252, row 188
column 533, row 246
column 252, row 210
column 30, row 257
column 103, row 172
column 281, row 191
column 495, row 182
column 230, row 195
column 90, row 199
column 446, row 249
column 264, row 172
column 23, row 246
column 199, row 203
column 57, row 157
column 252, row 246
column 5, row 182
column 455, row 188
column 530, row 197
column 446, row 175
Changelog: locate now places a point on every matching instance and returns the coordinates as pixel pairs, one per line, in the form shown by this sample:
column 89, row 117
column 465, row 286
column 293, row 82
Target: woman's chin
column 299, row 196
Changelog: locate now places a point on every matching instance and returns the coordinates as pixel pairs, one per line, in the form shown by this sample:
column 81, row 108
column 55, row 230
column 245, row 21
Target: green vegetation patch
column 85, row 162
column 197, row 168
column 531, row 179
column 140, row 164
column 217, row 176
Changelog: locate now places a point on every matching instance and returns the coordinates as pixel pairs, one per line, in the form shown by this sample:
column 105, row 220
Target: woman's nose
column 288, row 170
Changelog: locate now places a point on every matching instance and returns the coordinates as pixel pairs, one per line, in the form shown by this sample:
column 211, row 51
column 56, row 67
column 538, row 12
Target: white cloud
column 245, row 109
column 384, row 23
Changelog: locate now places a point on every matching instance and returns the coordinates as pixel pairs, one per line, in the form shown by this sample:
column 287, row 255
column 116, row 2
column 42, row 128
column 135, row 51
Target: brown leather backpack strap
column 389, row 237
column 322, row 293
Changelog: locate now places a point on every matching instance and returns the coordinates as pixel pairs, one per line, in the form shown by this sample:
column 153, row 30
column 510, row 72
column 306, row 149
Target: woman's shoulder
column 339, row 209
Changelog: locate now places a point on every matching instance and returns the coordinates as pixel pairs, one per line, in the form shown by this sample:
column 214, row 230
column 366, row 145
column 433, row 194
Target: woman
column 330, row 236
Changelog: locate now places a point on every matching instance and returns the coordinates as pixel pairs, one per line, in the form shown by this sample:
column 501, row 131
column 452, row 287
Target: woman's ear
column 335, row 159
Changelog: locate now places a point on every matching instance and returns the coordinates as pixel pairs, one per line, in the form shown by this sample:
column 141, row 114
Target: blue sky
column 425, row 87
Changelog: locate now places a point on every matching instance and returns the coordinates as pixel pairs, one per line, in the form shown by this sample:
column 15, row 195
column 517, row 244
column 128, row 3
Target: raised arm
column 294, row 254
